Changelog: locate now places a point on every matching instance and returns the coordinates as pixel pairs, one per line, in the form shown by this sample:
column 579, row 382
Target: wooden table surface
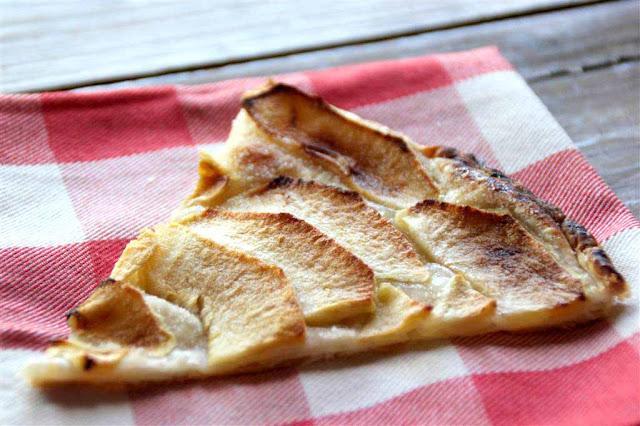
column 581, row 57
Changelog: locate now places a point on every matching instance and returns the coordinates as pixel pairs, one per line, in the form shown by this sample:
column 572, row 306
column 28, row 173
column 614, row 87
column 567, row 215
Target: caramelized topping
column 378, row 164
column 495, row 253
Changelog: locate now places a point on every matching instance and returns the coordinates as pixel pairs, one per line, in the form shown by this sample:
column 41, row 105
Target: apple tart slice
column 315, row 233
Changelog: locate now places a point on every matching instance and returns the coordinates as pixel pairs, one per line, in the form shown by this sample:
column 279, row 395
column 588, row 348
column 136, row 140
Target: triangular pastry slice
column 315, row 233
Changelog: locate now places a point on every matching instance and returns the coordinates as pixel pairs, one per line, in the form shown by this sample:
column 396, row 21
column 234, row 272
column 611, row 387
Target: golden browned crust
column 379, row 164
column 472, row 170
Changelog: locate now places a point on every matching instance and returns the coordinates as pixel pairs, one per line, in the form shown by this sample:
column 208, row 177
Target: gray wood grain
column 540, row 46
column 582, row 62
column 600, row 110
column 47, row 45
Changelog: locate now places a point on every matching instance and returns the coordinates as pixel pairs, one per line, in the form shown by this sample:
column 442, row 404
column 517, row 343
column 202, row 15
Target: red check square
column 38, row 286
column 544, row 350
column 604, row 390
column 104, row 254
column 582, row 194
column 470, row 63
column 23, row 137
column 93, row 126
column 358, row 85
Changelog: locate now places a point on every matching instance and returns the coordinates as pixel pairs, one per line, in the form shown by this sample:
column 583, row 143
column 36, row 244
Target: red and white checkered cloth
column 81, row 173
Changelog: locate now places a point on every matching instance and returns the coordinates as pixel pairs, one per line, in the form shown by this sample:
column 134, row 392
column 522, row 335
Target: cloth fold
column 82, row 172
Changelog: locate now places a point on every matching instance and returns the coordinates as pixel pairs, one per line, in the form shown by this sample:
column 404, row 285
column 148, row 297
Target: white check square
column 35, row 208
column 512, row 119
column 116, row 197
column 624, row 250
column 371, row 381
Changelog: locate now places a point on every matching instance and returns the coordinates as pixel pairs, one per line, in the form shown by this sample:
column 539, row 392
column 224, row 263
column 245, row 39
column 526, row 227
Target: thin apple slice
column 344, row 217
column 245, row 305
column 377, row 163
column 500, row 259
column 331, row 283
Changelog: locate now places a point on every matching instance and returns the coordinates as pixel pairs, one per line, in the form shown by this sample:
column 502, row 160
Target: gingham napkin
column 81, row 173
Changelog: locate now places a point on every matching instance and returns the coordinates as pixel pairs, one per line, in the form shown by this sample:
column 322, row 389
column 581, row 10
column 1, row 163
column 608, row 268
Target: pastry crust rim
column 580, row 240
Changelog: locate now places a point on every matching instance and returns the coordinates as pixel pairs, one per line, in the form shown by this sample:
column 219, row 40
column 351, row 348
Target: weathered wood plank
column 541, row 45
column 47, row 45
column 600, row 110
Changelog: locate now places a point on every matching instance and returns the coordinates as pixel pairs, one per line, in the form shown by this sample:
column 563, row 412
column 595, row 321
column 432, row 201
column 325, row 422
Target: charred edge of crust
column 274, row 88
column 106, row 282
column 581, row 240
column 88, row 363
column 72, row 313
column 280, row 182
column 448, row 152
column 578, row 237
column 466, row 210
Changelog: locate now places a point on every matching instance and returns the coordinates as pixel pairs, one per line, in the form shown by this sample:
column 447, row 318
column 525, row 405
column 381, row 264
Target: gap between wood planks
column 623, row 59
column 371, row 40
